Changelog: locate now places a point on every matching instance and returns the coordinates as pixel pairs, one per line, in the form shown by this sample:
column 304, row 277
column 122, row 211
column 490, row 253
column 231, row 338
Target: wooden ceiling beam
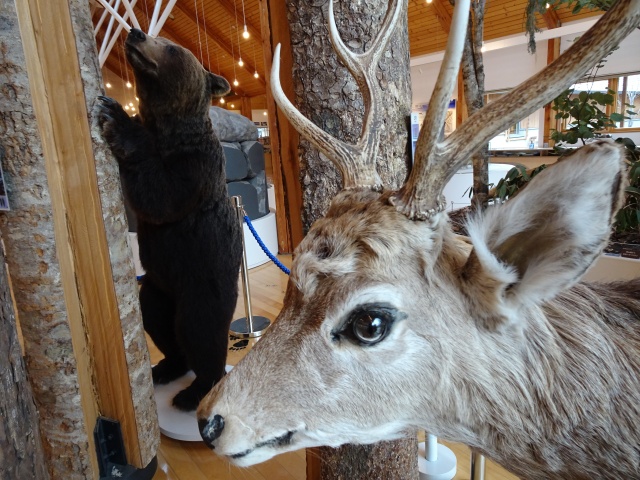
column 442, row 14
column 218, row 39
column 253, row 31
column 551, row 18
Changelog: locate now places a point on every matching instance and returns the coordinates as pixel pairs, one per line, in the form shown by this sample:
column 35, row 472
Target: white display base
column 608, row 269
column 444, row 468
column 266, row 228
column 175, row 423
column 271, row 196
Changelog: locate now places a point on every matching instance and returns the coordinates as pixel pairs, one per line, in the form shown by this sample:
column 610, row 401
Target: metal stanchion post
column 477, row 466
column 252, row 325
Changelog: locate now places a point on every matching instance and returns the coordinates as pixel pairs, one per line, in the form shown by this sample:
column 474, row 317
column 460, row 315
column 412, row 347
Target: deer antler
column 436, row 162
column 357, row 163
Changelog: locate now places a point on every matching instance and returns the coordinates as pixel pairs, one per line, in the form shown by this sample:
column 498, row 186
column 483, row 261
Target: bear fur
column 172, row 168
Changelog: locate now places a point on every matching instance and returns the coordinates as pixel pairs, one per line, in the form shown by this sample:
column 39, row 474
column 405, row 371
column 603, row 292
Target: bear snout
column 136, row 35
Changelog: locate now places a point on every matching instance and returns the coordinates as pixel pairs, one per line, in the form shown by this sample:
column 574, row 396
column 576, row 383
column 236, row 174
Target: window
column 627, row 90
column 522, row 135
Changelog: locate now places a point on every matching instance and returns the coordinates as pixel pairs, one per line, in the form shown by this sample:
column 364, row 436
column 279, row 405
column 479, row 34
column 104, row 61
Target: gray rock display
column 232, row 127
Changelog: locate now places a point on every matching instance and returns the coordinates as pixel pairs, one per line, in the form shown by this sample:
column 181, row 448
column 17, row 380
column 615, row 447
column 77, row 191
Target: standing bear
column 172, row 169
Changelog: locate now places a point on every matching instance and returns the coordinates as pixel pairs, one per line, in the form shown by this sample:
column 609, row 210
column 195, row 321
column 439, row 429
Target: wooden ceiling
column 212, row 30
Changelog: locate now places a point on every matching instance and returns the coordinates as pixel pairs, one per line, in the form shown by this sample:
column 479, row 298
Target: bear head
column 169, row 78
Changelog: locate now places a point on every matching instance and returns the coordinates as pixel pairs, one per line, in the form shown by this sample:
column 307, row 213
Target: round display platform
column 444, row 468
column 175, row 423
column 266, row 228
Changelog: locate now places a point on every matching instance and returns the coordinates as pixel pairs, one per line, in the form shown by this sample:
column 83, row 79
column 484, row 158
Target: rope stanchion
column 250, row 326
column 264, row 248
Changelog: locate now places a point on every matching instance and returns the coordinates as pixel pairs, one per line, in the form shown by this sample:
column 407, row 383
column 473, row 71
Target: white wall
column 626, row 59
column 507, row 67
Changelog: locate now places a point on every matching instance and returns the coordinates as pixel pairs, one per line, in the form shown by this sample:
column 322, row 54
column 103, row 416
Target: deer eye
column 367, row 326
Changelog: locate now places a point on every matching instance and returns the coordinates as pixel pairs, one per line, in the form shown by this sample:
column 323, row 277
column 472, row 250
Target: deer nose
column 210, row 429
column 137, row 34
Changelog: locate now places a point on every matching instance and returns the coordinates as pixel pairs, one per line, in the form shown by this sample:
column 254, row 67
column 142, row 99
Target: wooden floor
column 194, row 461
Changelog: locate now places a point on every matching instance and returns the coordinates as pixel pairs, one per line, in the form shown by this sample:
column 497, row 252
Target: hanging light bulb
column 129, row 85
column 547, row 5
column 245, row 34
column 222, row 101
column 126, row 107
column 131, row 104
column 236, row 83
column 108, row 85
column 240, row 62
column 232, row 106
column 429, row 1
column 256, row 74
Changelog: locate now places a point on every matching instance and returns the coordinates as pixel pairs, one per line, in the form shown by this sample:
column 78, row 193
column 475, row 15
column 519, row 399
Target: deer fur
column 391, row 322
column 493, row 345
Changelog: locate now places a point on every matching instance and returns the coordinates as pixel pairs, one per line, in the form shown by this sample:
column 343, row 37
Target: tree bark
column 21, row 454
column 31, row 254
column 473, row 80
column 66, row 416
column 327, row 94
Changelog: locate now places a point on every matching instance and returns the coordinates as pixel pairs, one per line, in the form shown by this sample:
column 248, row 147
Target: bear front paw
column 113, row 121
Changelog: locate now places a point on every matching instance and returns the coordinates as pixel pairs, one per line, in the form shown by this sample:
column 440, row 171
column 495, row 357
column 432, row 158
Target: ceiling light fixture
column 245, row 34
column 108, row 85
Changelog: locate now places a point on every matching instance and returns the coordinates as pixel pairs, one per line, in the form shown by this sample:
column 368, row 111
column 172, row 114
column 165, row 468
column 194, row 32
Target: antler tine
column 547, row 84
column 346, row 157
column 357, row 163
column 412, row 197
column 363, row 68
column 420, row 198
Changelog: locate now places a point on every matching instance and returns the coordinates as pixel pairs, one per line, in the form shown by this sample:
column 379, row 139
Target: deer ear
column 542, row 241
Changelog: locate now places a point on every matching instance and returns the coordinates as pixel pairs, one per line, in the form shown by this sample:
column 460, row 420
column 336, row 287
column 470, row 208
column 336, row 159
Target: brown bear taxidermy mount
column 172, row 169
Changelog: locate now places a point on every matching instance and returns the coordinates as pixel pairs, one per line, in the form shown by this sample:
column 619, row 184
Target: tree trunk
column 38, row 243
column 21, row 454
column 328, row 95
column 473, row 81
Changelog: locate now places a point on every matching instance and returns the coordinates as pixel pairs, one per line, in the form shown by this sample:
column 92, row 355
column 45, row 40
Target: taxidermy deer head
column 391, row 323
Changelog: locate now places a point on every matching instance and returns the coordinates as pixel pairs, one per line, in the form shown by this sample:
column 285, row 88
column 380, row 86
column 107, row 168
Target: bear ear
column 218, row 85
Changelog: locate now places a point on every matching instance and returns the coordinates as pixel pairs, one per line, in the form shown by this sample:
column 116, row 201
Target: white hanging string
column 245, row 34
column 206, row 36
column 233, row 58
column 255, row 65
column 240, row 62
column 195, row 5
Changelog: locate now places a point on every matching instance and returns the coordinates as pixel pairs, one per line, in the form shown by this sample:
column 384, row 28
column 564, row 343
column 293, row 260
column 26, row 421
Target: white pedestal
column 266, row 228
column 444, row 468
column 176, row 423
column 609, row 268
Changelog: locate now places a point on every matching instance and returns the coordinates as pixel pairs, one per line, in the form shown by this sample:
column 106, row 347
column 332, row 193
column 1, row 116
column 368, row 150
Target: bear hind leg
column 158, row 317
column 204, row 333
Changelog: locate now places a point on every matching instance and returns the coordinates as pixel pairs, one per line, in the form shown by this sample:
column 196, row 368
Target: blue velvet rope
column 264, row 247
